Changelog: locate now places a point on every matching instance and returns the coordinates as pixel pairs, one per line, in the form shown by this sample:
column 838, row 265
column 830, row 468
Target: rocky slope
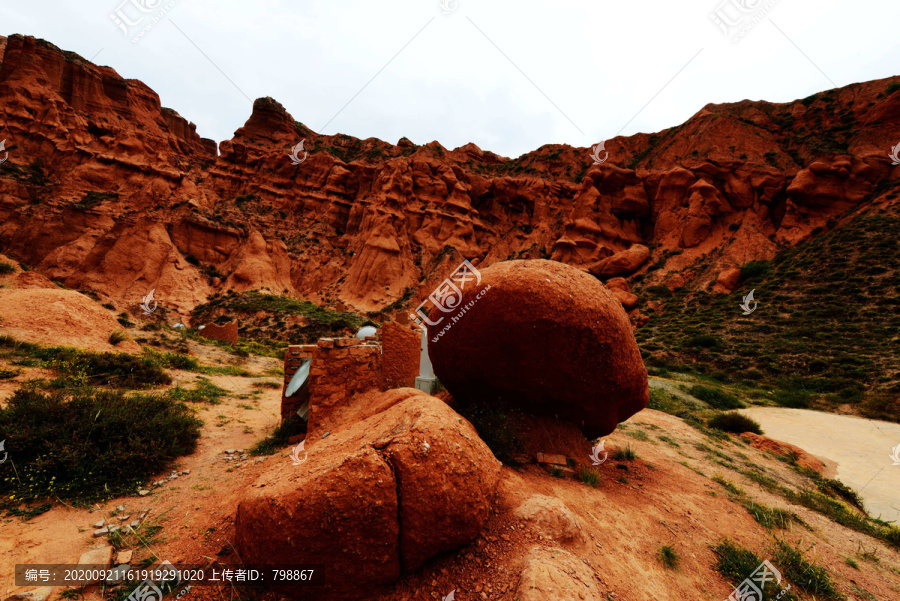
column 105, row 189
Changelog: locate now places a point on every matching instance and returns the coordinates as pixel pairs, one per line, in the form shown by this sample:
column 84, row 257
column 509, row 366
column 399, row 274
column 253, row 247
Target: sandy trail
column 860, row 447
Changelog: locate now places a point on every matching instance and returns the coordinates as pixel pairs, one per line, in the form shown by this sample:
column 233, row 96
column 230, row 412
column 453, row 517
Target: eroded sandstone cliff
column 106, row 189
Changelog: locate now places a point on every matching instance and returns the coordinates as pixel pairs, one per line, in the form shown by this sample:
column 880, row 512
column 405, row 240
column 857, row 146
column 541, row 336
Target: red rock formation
column 728, row 280
column 226, row 333
column 543, row 337
column 785, row 449
column 625, row 262
column 107, row 190
column 622, row 291
column 401, row 349
column 382, row 495
column 336, row 377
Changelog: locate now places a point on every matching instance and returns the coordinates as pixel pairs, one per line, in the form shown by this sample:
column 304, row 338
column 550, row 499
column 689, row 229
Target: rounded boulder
column 545, row 338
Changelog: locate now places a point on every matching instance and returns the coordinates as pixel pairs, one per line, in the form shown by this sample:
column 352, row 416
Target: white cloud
column 599, row 62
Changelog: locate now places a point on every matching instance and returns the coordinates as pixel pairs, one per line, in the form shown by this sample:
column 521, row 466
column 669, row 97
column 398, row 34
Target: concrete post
column 426, row 381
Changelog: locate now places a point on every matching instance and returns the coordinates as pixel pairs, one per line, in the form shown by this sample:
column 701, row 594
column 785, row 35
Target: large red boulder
column 546, row 338
column 375, row 498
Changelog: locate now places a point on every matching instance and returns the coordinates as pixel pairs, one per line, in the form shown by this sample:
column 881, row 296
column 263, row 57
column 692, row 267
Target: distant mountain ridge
column 105, row 189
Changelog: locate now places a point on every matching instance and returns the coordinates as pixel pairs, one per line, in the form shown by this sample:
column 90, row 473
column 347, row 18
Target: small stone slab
column 38, row 594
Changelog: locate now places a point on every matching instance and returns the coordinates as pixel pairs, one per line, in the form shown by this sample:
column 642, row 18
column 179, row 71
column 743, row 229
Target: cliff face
column 105, row 189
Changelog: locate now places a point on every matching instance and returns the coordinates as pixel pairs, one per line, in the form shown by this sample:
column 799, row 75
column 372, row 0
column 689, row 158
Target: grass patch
column 625, row 453
column 669, row 441
column 832, row 341
column 735, row 423
column 279, row 437
column 175, row 360
column 8, row 374
column 589, row 476
column 810, row 577
column 770, row 517
column 835, row 510
column 203, row 392
column 668, row 557
column 92, row 445
column 660, row 400
column 320, row 321
column 736, row 563
column 716, row 397
column 728, row 485
column 6, row 268
column 117, row 337
column 837, row 489
column 85, row 369
column 144, row 535
column 267, row 384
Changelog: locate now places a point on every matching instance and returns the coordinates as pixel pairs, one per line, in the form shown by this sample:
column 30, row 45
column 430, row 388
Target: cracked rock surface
column 374, row 499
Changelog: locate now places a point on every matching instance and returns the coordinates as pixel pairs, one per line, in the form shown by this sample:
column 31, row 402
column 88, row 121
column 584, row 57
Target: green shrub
column 117, row 337
column 794, row 399
column 90, row 445
column 735, row 423
column 79, row 368
column 716, row 397
column 668, row 556
column 734, row 562
column 292, row 426
column 707, row 341
column 624, row 454
column 836, row 488
column 204, row 392
column 892, row 87
column 589, row 476
column 755, row 270
column 6, row 268
column 175, row 360
column 659, row 290
column 267, row 384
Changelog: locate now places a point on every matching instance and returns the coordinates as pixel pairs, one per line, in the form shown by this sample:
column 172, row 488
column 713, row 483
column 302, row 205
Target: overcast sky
column 508, row 76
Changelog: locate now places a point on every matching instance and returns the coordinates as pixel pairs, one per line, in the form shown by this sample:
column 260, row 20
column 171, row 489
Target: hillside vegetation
column 826, row 332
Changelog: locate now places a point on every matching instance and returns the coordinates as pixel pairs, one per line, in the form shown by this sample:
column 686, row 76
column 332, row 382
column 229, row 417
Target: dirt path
column 860, row 447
